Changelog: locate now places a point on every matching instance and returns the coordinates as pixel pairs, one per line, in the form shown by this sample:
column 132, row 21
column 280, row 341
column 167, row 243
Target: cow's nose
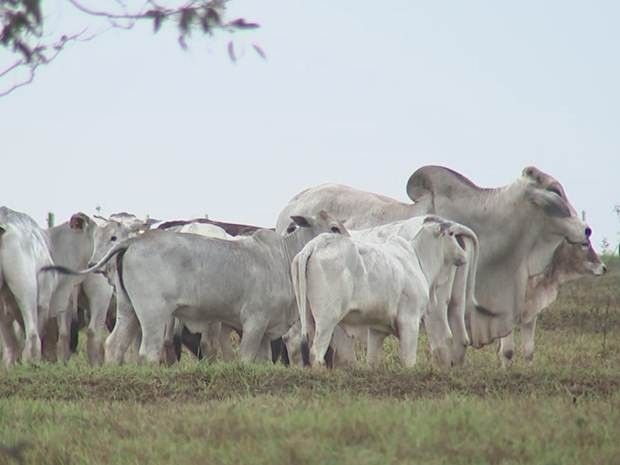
column 588, row 231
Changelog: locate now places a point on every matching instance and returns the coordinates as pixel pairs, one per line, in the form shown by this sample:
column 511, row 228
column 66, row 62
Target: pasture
column 565, row 409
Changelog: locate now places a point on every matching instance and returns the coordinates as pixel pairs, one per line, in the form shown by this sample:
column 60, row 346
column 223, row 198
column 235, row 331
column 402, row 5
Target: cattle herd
column 341, row 266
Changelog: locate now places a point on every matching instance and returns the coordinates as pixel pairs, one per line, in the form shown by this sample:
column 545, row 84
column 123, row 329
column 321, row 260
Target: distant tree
column 24, row 35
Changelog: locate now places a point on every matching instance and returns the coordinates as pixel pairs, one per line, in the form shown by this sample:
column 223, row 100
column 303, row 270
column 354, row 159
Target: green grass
column 339, row 429
column 565, row 409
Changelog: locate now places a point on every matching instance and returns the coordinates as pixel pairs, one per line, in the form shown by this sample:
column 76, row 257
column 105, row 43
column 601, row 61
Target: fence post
column 50, row 219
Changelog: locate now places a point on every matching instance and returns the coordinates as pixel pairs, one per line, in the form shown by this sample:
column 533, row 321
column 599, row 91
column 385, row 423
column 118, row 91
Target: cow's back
column 357, row 209
column 190, row 271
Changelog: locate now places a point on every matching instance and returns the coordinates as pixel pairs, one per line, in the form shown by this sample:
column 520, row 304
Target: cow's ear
column 301, row 221
column 78, row 222
column 550, row 202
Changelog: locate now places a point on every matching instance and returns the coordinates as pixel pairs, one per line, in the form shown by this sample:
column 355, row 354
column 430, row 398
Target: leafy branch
column 22, row 29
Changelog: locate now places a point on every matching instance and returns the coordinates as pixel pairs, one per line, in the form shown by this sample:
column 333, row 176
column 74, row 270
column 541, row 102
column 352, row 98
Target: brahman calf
column 385, row 286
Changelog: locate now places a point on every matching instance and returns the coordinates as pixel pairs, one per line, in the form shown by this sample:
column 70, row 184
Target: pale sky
column 359, row 93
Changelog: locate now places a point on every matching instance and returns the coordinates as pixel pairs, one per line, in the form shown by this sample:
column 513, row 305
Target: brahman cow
column 518, row 226
column 215, row 337
column 97, row 289
column 25, row 295
column 385, row 286
column 570, row 262
column 38, row 301
column 244, row 283
column 71, row 245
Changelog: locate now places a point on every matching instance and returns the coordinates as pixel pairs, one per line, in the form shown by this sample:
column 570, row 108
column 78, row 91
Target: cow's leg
column 264, row 352
column 153, row 325
column 64, row 334
column 209, row 340
column 527, row 339
column 61, row 307
column 456, row 317
column 99, row 293
column 169, row 354
column 10, row 346
column 375, row 353
column 506, row 350
column 125, row 331
column 24, row 291
column 49, row 340
column 253, row 334
column 225, row 343
column 323, row 333
column 439, row 335
column 344, row 348
column 408, row 330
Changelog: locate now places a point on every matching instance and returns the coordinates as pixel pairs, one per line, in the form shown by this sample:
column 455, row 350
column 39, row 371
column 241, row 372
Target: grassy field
column 565, row 409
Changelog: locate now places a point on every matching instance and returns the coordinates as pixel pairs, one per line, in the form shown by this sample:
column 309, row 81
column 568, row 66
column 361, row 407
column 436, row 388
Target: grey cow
column 245, row 283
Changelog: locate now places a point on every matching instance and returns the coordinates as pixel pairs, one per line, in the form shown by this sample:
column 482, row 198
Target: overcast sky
column 360, row 93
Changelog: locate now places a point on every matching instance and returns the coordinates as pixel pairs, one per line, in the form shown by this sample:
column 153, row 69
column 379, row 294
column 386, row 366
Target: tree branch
column 21, row 24
column 32, row 66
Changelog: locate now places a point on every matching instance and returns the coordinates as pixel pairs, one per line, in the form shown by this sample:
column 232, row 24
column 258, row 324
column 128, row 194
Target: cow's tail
column 119, row 249
column 299, row 270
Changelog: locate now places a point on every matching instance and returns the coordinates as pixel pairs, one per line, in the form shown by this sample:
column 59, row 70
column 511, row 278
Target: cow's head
column 575, row 260
column 551, row 206
column 132, row 222
column 315, row 225
column 450, row 241
column 107, row 235
column 303, row 229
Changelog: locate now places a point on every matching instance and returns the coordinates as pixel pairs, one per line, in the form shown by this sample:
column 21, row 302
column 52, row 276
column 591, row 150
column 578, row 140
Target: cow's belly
column 380, row 316
column 201, row 316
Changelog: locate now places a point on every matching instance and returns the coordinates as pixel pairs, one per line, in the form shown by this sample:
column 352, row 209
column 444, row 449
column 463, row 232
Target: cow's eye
column 555, row 191
column 336, row 230
column 113, row 238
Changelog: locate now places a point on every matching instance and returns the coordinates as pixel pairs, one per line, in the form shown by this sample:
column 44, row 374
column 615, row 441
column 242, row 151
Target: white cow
column 71, row 245
column 436, row 319
column 39, row 301
column 385, row 286
column 25, row 295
